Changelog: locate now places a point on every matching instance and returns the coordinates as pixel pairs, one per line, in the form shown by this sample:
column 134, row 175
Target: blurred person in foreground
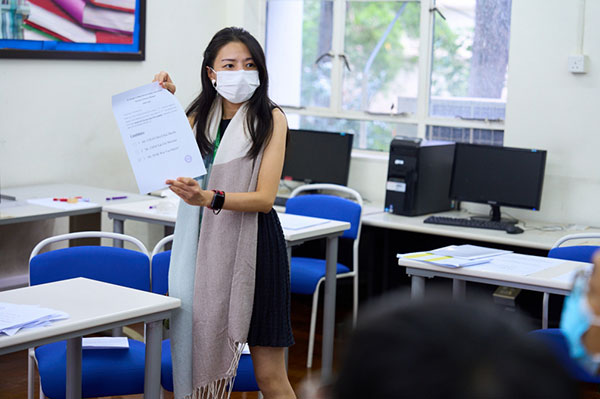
column 580, row 321
column 438, row 348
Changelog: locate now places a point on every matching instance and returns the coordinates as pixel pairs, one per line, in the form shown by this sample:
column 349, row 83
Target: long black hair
column 259, row 119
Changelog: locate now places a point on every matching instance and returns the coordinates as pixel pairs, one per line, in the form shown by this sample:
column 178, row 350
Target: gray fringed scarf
column 217, row 274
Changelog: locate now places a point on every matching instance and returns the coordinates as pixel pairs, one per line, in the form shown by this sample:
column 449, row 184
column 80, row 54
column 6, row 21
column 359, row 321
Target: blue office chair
column 580, row 253
column 556, row 341
column 307, row 274
column 244, row 380
column 104, row 372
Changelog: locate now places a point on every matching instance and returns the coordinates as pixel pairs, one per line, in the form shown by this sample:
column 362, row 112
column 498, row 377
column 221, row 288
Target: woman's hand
column 189, row 190
column 164, row 80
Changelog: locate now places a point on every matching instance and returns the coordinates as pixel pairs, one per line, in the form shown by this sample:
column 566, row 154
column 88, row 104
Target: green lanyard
column 217, row 142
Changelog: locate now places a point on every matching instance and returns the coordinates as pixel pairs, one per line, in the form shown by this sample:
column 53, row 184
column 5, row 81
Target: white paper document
column 14, row 317
column 570, row 276
column 469, row 251
column 105, row 343
column 441, row 260
column 296, row 222
column 518, row 265
column 51, row 203
column 157, row 135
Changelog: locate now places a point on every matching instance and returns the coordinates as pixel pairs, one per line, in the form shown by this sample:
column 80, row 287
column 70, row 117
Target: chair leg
column 355, row 301
column 30, row 373
column 313, row 322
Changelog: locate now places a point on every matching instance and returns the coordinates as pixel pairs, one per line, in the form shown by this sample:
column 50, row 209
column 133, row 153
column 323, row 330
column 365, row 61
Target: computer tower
column 419, row 174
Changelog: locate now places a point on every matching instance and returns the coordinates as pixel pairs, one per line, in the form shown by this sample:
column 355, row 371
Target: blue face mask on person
column 576, row 319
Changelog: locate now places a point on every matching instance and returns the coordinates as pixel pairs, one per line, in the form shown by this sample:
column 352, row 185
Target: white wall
column 56, row 123
column 553, row 109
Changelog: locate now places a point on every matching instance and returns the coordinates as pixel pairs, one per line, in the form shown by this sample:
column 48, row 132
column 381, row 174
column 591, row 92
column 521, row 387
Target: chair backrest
column 328, row 206
column 160, row 266
column 581, row 253
column 113, row 265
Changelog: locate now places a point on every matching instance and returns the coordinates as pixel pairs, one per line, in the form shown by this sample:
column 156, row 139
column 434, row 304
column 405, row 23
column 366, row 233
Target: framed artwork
column 73, row 29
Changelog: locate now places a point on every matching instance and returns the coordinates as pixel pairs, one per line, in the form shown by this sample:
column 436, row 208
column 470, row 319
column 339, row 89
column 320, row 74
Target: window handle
column 435, row 9
column 328, row 54
column 343, row 56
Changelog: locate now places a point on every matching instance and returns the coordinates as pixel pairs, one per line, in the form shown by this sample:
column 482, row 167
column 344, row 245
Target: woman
column 229, row 263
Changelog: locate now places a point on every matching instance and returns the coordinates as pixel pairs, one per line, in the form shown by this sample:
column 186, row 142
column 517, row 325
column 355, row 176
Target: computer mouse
column 512, row 229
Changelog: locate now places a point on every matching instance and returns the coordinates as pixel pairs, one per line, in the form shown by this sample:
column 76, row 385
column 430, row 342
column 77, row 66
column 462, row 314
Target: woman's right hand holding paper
column 164, row 80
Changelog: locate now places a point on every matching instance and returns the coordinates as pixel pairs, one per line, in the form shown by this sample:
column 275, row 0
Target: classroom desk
column 331, row 230
column 93, row 306
column 394, row 234
column 21, row 211
column 542, row 281
column 530, row 238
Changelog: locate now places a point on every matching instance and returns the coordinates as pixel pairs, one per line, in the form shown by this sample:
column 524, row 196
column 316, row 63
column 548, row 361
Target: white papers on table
column 469, row 251
column 296, row 222
column 518, row 265
column 570, row 276
column 49, row 202
column 105, row 343
column 14, row 317
column 157, row 135
column 447, row 261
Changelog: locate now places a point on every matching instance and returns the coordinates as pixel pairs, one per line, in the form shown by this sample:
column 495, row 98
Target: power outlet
column 578, row 63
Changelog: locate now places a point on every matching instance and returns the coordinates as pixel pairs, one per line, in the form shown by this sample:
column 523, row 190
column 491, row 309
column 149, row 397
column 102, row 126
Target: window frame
column 421, row 118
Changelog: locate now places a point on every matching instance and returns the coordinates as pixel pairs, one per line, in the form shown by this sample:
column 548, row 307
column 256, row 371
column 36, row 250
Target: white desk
column 331, row 230
column 21, row 211
column 93, row 306
column 543, row 281
column 530, row 238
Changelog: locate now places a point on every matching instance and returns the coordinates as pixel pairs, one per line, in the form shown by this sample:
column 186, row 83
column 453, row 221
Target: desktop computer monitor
column 498, row 176
column 317, row 157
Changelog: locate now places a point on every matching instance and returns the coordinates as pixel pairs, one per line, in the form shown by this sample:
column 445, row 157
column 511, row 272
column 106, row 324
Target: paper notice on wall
column 157, row 135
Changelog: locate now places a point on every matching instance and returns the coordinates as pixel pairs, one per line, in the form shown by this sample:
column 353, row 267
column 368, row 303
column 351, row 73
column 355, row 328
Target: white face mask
column 236, row 86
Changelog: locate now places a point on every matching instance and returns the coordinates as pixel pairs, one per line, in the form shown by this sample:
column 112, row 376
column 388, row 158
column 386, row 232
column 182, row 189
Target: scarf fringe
column 221, row 388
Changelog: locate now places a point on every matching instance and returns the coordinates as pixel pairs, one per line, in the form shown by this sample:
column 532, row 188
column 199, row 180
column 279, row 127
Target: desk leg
column 417, row 287
column 74, row 368
column 329, row 307
column 118, row 227
column 459, row 288
column 153, row 350
column 545, row 301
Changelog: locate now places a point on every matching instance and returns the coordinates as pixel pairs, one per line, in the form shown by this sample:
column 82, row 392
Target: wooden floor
column 13, row 367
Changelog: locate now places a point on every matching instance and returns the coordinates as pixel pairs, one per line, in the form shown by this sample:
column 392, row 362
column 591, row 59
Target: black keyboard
column 462, row 222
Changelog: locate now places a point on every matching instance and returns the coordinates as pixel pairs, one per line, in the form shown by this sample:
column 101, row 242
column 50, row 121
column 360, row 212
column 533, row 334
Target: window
column 470, row 59
column 379, row 68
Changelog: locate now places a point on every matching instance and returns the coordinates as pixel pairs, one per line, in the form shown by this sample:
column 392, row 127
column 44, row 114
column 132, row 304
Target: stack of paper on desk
column 439, row 260
column 471, row 252
column 456, row 255
column 15, row 317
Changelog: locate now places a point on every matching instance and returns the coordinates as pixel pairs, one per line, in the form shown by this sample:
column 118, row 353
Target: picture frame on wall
column 73, row 29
